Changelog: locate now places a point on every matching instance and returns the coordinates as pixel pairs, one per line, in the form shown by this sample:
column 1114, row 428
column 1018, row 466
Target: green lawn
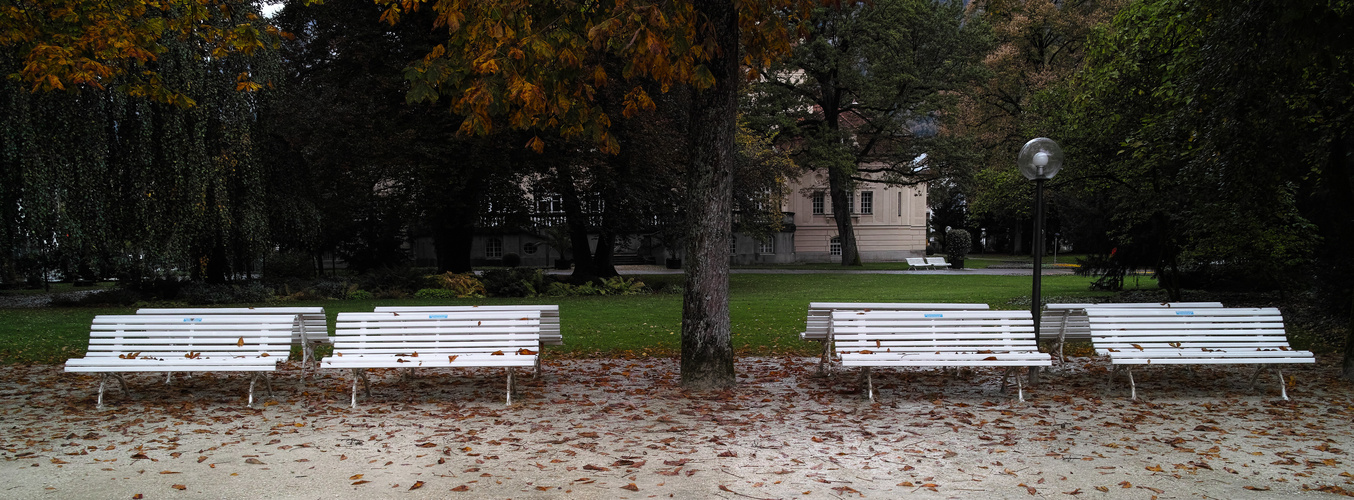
column 767, row 310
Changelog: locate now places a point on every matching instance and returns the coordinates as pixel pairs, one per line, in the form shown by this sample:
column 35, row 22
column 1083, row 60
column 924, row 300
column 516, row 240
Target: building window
column 834, row 247
column 818, row 199
column 493, row 248
column 529, row 249
column 766, row 246
column 867, row 202
column 850, row 202
column 733, row 245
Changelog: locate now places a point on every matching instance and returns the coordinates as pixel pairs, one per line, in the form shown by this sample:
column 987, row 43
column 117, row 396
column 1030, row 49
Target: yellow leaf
column 240, row 343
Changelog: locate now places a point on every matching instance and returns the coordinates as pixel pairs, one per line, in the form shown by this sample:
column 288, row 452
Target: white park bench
column 506, row 339
column 1068, row 321
column 550, row 333
column 947, row 339
column 818, row 325
column 1192, row 337
column 165, row 343
column 309, row 324
column 918, row 263
column 937, row 262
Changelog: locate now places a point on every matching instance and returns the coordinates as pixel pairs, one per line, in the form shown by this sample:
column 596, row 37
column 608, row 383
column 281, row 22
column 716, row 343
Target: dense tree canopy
column 865, row 90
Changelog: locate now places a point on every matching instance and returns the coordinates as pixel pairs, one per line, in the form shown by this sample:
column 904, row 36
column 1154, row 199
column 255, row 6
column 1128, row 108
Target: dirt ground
column 624, row 429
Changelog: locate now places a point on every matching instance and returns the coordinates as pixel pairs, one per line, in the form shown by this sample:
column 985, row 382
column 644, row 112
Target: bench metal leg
column 511, row 385
column 1020, row 388
column 825, row 360
column 359, row 373
column 866, row 374
column 103, row 380
column 1132, row 386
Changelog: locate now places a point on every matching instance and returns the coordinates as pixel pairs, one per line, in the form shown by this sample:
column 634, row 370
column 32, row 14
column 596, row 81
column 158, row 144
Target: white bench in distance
column 937, row 262
column 918, row 263
column 869, row 339
column 1160, row 336
column 1069, row 320
column 504, row 339
column 309, row 324
column 165, row 343
column 818, row 324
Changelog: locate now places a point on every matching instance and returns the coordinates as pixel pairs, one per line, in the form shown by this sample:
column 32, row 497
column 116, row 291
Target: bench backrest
column 1071, row 318
column 933, row 331
column 1208, row 328
column 436, row 333
column 188, row 336
column 820, row 313
column 549, row 314
column 937, row 261
column 917, row 262
column 310, row 318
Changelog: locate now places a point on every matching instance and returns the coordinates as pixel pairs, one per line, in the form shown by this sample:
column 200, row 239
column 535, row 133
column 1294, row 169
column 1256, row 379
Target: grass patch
column 767, row 312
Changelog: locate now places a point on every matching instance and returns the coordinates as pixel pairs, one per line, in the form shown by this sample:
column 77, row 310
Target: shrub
column 333, row 289
column 113, row 297
column 957, row 244
column 288, row 267
column 461, row 285
column 391, row 279
column 517, row 282
column 218, row 293
column 360, row 295
column 620, row 285
column 435, row 293
column 512, row 260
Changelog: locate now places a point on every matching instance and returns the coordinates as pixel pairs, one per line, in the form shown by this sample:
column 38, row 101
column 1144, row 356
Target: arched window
column 493, row 248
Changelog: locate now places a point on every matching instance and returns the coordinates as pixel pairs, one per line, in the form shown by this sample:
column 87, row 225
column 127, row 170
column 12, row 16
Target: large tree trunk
column 578, row 224
column 839, row 190
column 707, row 341
column 1341, row 182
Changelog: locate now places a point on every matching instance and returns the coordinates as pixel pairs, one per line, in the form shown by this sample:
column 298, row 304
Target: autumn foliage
column 66, row 44
column 539, row 65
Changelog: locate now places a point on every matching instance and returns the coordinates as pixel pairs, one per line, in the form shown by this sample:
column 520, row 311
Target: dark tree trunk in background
column 578, row 224
column 707, row 341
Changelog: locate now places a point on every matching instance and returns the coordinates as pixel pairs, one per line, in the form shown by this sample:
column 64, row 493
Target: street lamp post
column 1039, row 160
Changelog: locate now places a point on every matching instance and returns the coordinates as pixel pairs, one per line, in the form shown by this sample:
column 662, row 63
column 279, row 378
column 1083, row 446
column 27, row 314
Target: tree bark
column 578, row 225
column 838, row 188
column 707, row 341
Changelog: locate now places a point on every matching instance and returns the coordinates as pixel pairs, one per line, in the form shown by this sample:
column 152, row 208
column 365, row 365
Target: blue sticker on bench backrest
column 192, row 320
column 934, row 315
column 1184, row 313
column 437, row 316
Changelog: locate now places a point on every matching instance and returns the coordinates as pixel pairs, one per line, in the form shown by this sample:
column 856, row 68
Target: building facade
column 890, row 222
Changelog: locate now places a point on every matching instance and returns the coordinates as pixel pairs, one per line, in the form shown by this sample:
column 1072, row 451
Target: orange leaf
column 240, row 343
column 496, row 353
column 990, row 358
column 364, row 481
column 417, row 485
column 179, row 487
column 1155, row 468
column 452, row 358
column 461, row 488
column 525, row 352
column 355, row 477
column 630, row 487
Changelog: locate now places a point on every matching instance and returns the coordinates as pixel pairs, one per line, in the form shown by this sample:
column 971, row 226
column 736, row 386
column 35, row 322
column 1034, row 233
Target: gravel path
column 624, row 429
